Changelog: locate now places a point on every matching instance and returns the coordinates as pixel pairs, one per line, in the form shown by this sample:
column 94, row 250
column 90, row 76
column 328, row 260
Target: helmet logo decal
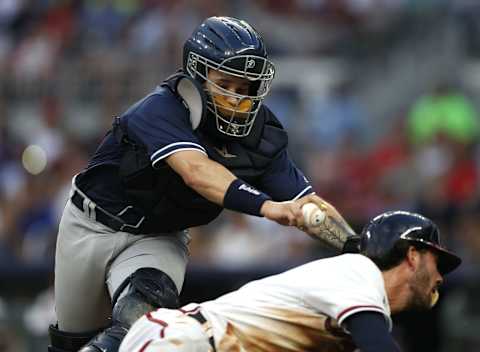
column 250, row 63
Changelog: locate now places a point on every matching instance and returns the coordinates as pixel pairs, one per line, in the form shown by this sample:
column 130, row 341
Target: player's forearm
column 216, row 183
column 209, row 179
column 334, row 230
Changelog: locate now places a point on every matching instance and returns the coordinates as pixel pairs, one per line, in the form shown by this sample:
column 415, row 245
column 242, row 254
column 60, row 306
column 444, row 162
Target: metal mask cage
column 256, row 69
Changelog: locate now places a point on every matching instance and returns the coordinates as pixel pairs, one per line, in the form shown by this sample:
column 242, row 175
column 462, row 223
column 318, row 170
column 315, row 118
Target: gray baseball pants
column 92, row 261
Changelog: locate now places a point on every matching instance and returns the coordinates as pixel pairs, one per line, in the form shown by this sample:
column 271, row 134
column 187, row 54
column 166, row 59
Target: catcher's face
column 425, row 282
column 230, row 94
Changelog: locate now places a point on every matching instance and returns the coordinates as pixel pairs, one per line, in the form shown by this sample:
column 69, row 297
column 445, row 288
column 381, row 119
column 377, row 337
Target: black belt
column 101, row 215
column 206, row 325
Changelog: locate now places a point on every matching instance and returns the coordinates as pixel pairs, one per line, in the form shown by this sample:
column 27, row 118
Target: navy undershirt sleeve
column 369, row 332
column 284, row 181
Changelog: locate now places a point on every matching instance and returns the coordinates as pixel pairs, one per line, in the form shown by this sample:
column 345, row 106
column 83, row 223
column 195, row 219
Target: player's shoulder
column 360, row 269
column 346, row 259
column 160, row 99
column 354, row 266
column 354, row 261
column 159, row 110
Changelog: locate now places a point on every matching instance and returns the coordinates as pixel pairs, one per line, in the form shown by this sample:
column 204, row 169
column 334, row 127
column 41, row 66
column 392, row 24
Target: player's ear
column 412, row 258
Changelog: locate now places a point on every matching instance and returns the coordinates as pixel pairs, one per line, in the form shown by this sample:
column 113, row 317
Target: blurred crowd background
column 381, row 99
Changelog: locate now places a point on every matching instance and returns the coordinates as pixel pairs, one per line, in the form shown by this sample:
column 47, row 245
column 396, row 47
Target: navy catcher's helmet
column 381, row 234
column 232, row 47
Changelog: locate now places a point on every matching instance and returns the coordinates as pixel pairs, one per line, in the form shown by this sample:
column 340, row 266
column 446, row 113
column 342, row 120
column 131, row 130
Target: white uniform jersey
column 301, row 309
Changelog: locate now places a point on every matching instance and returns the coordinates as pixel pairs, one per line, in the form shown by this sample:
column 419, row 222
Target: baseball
column 312, row 215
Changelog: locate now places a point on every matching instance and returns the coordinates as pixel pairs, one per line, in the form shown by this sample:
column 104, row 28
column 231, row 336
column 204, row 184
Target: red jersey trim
column 361, row 308
column 158, row 321
column 145, row 346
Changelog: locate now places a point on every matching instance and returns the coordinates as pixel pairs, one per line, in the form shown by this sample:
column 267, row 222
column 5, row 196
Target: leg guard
column 62, row 341
column 108, row 340
column 149, row 289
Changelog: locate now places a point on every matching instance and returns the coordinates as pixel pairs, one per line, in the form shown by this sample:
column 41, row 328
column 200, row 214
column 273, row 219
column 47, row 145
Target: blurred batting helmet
column 234, row 48
column 381, row 235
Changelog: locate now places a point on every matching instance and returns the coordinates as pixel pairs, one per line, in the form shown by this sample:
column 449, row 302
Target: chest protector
column 160, row 193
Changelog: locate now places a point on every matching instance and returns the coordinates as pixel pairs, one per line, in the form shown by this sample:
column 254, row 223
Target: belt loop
column 89, row 208
column 92, row 214
column 86, row 208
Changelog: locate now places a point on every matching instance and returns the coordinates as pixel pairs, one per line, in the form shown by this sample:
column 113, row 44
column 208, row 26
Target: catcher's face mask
column 235, row 89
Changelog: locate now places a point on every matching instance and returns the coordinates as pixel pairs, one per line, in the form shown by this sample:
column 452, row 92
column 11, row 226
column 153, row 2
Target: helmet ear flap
column 194, row 97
